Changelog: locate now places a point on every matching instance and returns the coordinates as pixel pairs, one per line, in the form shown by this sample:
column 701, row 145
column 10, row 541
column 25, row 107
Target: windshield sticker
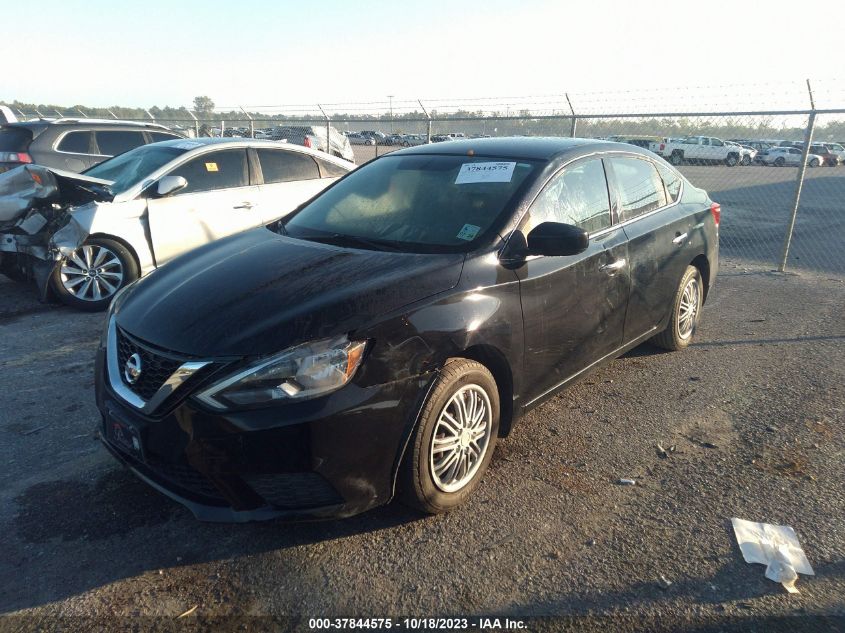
column 485, row 172
column 469, row 232
column 211, row 167
column 188, row 145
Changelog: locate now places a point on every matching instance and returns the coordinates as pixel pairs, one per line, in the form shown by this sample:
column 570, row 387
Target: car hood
column 259, row 292
column 23, row 187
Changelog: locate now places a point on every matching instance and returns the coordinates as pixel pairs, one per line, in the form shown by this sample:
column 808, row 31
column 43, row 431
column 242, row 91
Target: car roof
column 87, row 122
column 196, row 143
column 533, row 147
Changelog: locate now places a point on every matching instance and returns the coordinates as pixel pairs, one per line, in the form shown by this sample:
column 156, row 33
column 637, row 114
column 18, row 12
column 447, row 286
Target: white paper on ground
column 485, row 172
column 775, row 546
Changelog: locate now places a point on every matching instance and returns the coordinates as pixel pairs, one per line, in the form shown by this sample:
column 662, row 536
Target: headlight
column 302, row 372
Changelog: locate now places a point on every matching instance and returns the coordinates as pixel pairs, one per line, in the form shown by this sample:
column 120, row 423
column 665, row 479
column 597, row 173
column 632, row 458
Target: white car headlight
column 299, row 373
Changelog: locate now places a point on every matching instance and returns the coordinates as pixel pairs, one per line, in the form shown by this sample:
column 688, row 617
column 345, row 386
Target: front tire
column 454, row 440
column 686, row 312
column 746, row 160
column 814, row 162
column 731, row 160
column 90, row 277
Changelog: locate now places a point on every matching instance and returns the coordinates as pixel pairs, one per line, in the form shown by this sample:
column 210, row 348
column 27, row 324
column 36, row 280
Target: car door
column 289, row 179
column 217, row 202
column 658, row 233
column 574, row 306
column 718, row 151
column 793, row 156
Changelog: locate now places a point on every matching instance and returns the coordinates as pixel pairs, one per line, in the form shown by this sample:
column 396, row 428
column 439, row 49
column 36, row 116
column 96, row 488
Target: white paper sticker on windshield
column 469, row 232
column 188, row 145
column 485, row 172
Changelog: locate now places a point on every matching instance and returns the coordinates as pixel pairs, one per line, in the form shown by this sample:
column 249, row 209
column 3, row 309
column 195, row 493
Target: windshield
column 415, row 203
column 130, row 168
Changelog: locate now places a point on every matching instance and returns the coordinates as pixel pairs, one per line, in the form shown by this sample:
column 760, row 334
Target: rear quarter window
column 330, row 170
column 156, row 137
column 284, row 166
column 639, row 186
column 114, row 142
column 672, row 181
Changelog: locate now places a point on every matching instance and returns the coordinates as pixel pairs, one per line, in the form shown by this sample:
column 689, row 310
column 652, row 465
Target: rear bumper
column 329, row 457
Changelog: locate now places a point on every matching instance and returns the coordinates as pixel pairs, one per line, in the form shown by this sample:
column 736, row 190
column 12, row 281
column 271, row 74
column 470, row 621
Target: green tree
column 203, row 105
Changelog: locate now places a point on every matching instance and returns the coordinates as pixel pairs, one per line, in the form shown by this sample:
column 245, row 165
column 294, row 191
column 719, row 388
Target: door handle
column 243, row 205
column 613, row 266
column 679, row 238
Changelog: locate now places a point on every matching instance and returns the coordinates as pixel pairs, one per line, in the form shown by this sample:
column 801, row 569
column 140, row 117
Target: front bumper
column 329, row 457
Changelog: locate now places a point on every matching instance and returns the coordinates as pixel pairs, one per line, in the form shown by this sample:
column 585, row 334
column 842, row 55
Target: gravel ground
column 753, row 410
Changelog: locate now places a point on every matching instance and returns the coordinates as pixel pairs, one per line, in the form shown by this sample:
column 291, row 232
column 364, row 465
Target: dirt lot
column 753, row 410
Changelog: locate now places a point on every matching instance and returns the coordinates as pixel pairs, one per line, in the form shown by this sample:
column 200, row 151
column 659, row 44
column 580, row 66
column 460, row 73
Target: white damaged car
column 82, row 237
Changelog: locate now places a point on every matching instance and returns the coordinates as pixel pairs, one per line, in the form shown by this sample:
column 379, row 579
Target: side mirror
column 170, row 184
column 556, row 239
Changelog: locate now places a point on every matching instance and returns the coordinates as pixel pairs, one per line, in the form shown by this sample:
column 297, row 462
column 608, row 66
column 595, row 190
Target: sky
column 285, row 53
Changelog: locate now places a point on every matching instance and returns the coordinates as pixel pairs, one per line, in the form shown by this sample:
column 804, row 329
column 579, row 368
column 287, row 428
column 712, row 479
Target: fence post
column 196, row 124
column 428, row 116
column 251, row 122
column 802, row 170
column 573, row 126
column 328, row 130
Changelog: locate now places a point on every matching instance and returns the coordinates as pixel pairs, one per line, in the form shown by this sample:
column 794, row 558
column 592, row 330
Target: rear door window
column 283, row 166
column 215, row 170
column 576, row 196
column 639, row 187
column 76, row 143
column 114, row 142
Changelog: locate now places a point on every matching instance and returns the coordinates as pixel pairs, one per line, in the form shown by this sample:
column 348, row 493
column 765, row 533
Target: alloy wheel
column 461, row 438
column 688, row 308
column 92, row 273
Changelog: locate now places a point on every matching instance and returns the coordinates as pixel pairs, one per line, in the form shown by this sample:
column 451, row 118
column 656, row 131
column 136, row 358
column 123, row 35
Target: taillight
column 15, row 157
column 307, row 142
column 716, row 210
column 662, row 146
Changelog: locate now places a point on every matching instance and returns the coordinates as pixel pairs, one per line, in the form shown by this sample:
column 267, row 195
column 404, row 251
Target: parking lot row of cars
column 737, row 151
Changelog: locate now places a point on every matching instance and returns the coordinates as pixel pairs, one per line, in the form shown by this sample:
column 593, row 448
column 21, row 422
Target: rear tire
column 93, row 274
column 779, row 162
column 677, row 158
column 686, row 313
column 454, row 440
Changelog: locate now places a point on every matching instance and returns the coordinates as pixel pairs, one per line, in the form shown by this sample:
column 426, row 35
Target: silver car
column 85, row 236
column 781, row 156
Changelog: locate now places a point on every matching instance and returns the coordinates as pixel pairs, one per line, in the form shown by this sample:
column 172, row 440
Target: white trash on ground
column 775, row 546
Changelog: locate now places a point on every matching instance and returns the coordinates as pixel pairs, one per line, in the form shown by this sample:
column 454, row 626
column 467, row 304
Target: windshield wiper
column 339, row 239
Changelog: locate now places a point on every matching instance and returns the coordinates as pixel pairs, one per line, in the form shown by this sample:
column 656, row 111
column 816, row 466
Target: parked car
column 746, row 154
column 314, row 136
column 74, row 144
column 787, row 155
column 394, row 327
column 85, row 236
column 703, row 149
column 412, row 140
column 379, row 138
column 360, row 139
column 838, row 149
column 828, row 156
column 759, row 146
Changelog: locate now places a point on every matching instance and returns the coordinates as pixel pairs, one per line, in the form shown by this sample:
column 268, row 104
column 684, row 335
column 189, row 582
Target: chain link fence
column 748, row 148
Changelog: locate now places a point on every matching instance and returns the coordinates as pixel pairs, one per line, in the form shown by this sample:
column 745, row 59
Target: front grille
column 156, row 367
column 294, row 490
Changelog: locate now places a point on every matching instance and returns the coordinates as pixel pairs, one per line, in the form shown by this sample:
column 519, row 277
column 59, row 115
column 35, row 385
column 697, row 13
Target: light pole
column 391, row 112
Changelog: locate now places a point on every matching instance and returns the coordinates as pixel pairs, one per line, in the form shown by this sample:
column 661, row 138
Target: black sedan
column 378, row 341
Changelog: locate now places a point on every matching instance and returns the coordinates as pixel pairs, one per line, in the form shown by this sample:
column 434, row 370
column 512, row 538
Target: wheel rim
column 461, row 438
column 688, row 308
column 92, row 273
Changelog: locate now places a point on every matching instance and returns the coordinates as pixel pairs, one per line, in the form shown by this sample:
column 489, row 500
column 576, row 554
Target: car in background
column 412, row 140
column 838, row 149
column 379, row 138
column 359, row 139
column 699, row 149
column 83, row 237
column 788, row 156
column 314, row 137
column 746, row 154
column 381, row 339
column 829, row 157
column 74, row 144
